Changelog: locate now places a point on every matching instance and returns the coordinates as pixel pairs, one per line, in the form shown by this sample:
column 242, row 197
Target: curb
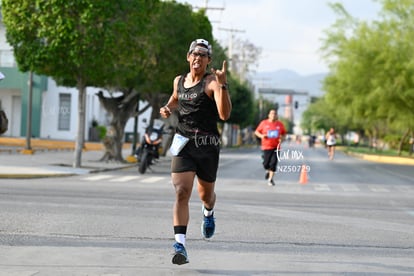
column 59, row 174
column 32, row 176
column 38, row 144
column 383, row 159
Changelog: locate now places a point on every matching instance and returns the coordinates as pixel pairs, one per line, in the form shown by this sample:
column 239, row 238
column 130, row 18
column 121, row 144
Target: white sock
column 207, row 213
column 180, row 238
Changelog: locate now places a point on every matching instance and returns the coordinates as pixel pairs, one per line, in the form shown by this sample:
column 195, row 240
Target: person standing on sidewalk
column 271, row 131
column 200, row 99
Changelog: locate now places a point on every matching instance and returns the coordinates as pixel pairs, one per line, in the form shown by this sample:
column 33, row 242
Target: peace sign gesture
column 221, row 77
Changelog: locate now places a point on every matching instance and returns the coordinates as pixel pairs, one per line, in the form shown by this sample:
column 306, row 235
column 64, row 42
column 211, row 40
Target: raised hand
column 221, row 75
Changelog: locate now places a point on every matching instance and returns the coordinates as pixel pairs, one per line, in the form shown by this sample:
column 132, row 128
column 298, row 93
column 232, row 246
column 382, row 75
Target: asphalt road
column 352, row 217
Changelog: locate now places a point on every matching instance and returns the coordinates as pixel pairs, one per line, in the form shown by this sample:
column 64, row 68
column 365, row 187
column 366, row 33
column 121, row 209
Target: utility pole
column 209, row 8
column 28, row 148
column 230, row 49
column 260, row 96
column 206, row 7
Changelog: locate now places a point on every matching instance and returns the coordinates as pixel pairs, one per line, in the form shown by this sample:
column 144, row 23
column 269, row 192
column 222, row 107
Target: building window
column 64, row 112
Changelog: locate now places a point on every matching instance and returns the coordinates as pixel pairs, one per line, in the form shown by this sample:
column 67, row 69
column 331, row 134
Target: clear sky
column 287, row 31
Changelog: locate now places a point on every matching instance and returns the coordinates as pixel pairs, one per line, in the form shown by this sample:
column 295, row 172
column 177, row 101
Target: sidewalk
column 53, row 158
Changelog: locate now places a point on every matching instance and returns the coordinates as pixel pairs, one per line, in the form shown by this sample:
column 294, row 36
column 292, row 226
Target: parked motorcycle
column 148, row 152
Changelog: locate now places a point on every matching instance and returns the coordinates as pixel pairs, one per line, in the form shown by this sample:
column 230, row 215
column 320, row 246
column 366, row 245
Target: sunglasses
column 194, row 54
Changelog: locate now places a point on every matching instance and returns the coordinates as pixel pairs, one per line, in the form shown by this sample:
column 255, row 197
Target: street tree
column 71, row 41
column 244, row 59
column 175, row 25
column 242, row 97
column 371, row 69
column 125, row 78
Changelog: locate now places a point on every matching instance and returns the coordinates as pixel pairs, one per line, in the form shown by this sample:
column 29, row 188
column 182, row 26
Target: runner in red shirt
column 271, row 131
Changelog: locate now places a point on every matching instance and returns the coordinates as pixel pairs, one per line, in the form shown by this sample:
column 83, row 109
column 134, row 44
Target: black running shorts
column 201, row 158
column 270, row 160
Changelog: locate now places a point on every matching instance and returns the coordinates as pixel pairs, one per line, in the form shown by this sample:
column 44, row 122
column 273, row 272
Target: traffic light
column 296, row 104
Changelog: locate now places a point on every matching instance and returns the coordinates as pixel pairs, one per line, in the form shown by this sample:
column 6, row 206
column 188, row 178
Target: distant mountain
column 282, row 74
column 289, row 79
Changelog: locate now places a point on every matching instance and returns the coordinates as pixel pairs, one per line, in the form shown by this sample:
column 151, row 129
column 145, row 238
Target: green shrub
column 102, row 132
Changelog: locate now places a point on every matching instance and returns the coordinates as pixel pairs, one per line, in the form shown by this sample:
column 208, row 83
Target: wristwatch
column 224, row 86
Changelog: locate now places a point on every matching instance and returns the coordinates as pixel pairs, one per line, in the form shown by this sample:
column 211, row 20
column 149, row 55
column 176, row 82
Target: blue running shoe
column 180, row 254
column 208, row 226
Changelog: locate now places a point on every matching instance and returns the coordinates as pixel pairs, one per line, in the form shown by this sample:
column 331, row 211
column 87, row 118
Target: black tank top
column 198, row 113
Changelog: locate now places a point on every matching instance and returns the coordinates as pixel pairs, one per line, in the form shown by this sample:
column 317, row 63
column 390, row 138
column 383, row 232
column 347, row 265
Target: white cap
column 200, row 42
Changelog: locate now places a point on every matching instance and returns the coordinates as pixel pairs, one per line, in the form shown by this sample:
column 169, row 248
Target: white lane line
column 350, row 188
column 378, row 189
column 98, row 177
column 405, row 189
column 152, row 179
column 321, row 187
column 125, row 178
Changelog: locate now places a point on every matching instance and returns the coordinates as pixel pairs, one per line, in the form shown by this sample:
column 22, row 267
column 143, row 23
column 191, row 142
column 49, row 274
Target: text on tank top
column 198, row 113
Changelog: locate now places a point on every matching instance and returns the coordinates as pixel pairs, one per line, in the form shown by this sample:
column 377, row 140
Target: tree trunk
column 400, row 146
column 121, row 108
column 113, row 146
column 113, row 141
column 80, row 139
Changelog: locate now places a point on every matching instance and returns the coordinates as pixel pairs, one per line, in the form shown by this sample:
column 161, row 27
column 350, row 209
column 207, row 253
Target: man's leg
column 272, row 167
column 208, row 199
column 206, row 193
column 266, row 162
column 183, row 184
column 271, row 174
